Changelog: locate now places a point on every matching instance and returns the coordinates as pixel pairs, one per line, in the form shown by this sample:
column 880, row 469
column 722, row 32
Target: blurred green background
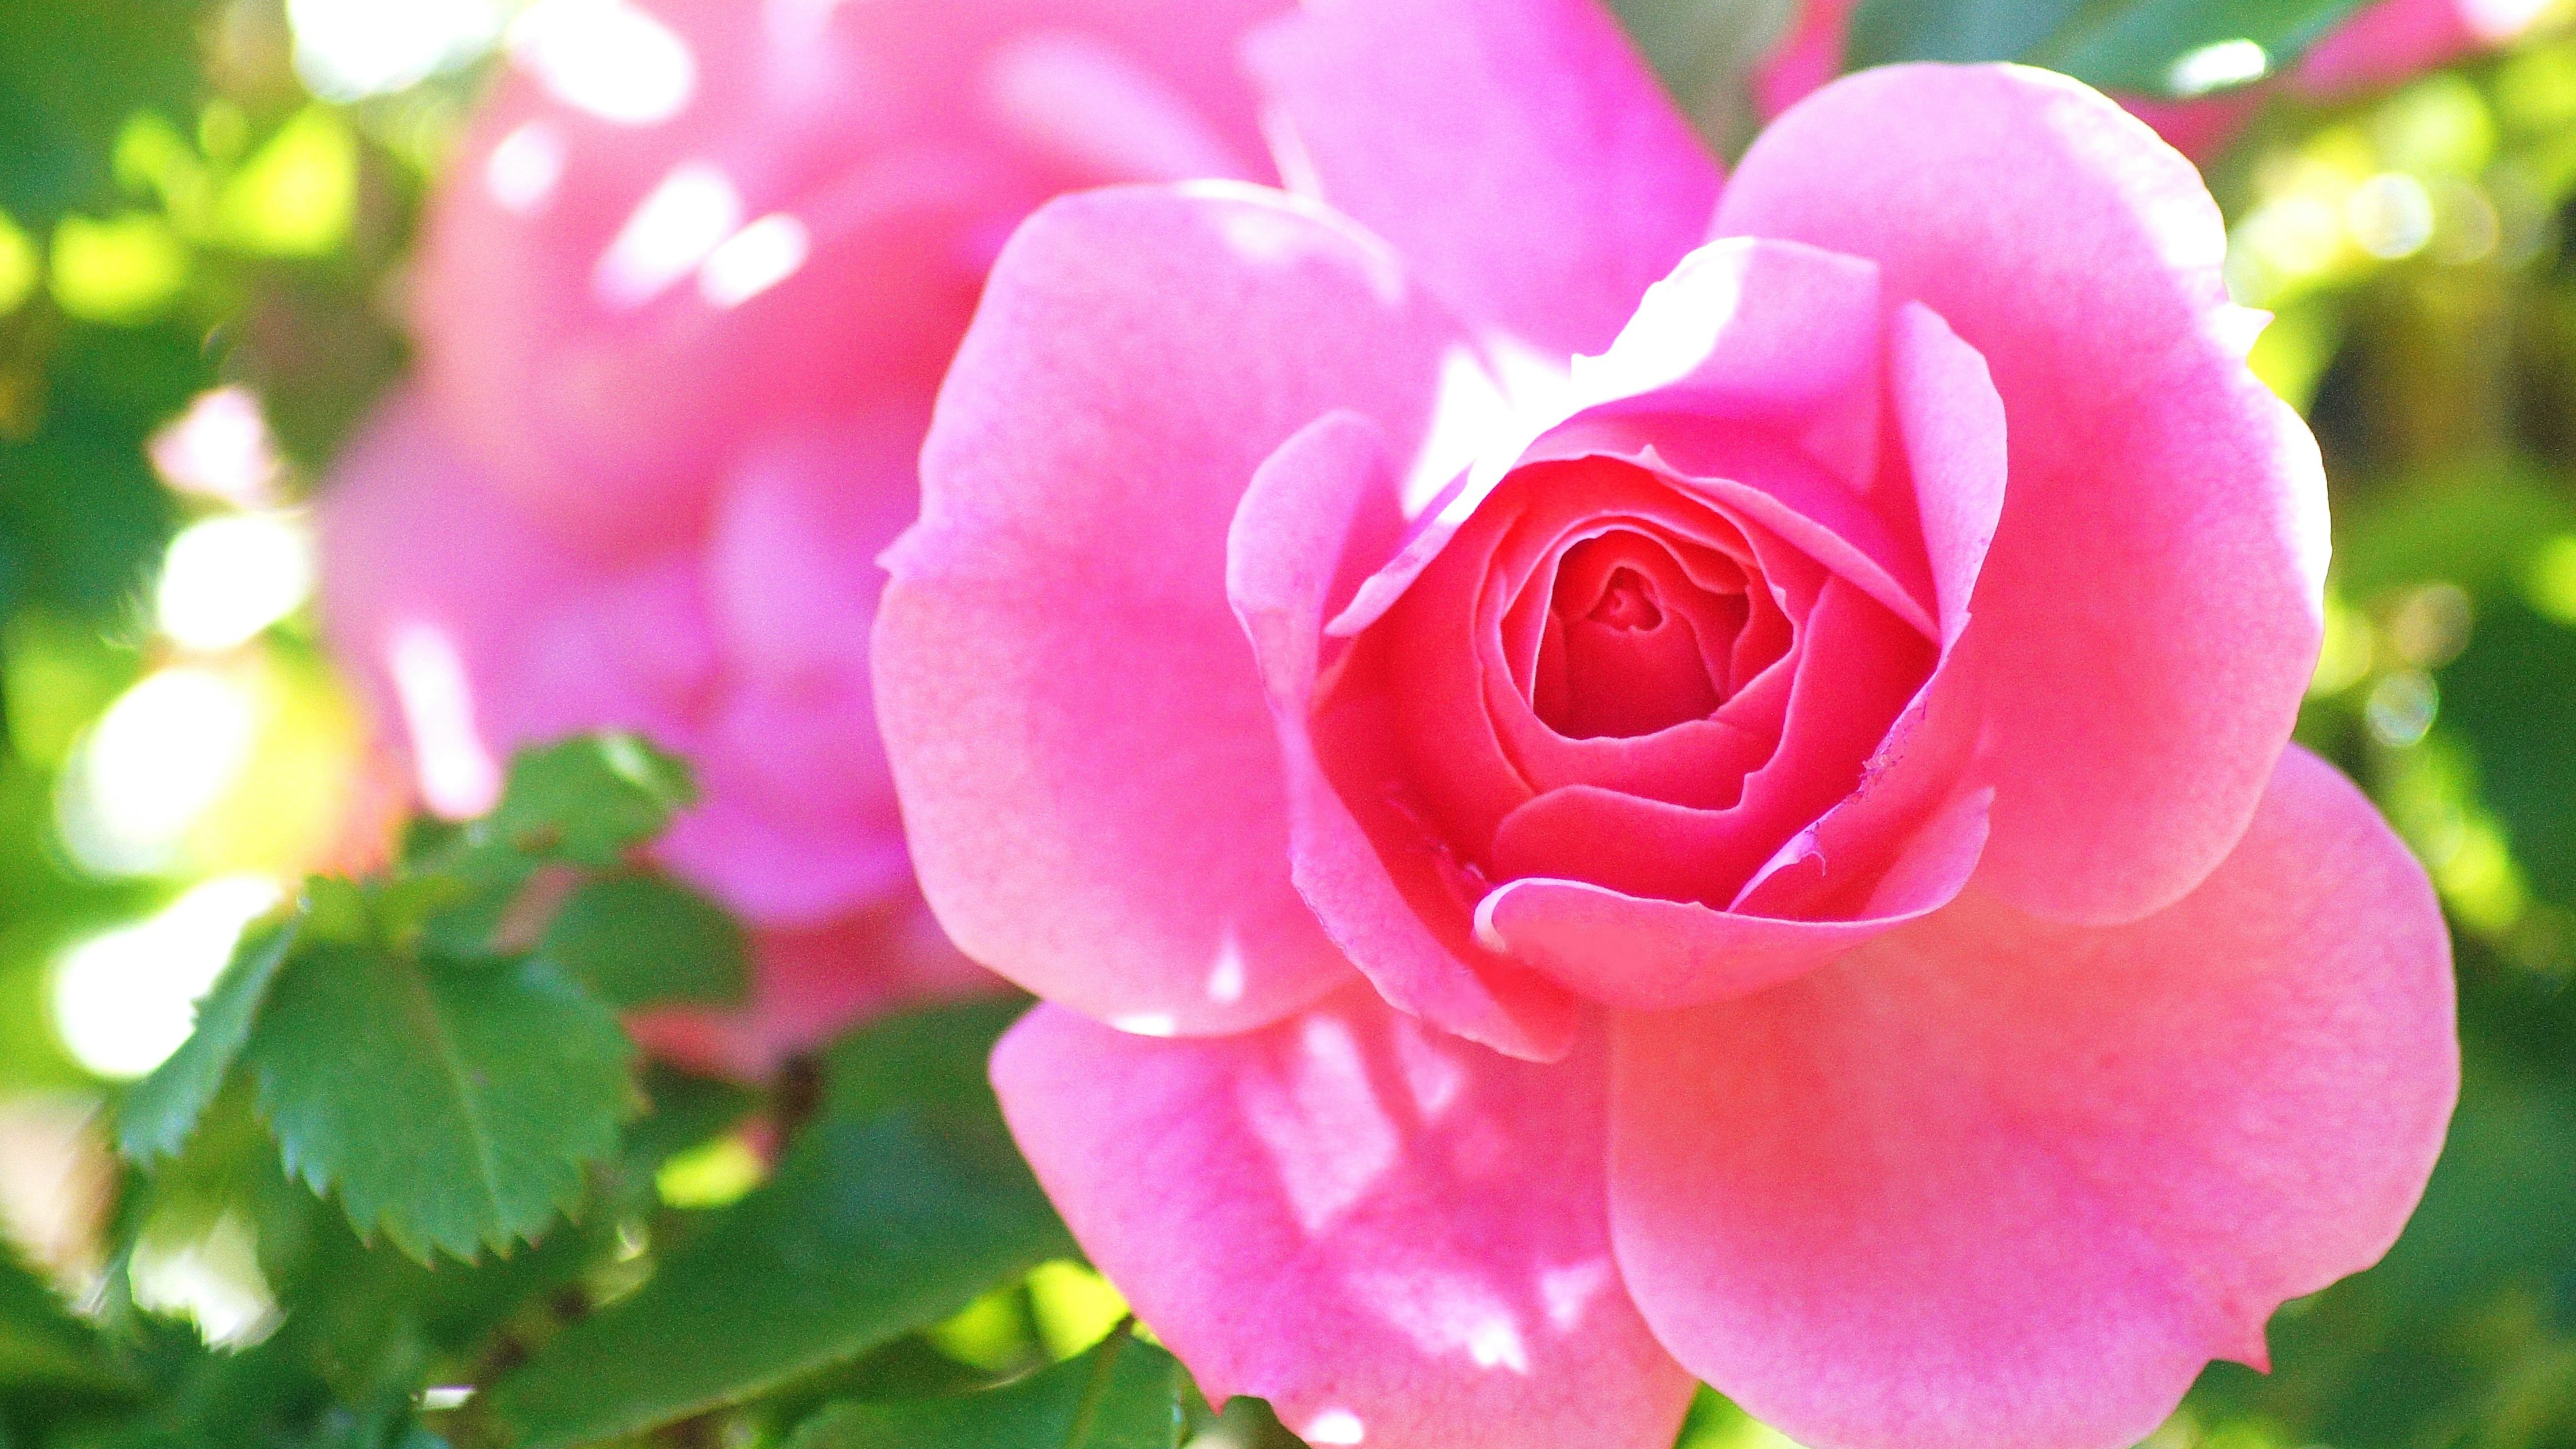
column 204, row 206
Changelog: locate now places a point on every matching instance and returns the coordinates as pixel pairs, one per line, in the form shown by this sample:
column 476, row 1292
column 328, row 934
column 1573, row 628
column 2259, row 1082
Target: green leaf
column 933, row 1054
column 587, row 800
column 1124, row 1394
column 2171, row 48
column 71, row 71
column 160, row 1111
column 871, row 1229
column 454, row 1109
column 40, row 1342
column 639, row 939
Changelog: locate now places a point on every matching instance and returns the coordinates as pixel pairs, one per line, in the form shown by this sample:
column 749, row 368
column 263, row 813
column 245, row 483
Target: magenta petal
column 1544, row 180
column 1322, row 503
column 2151, row 606
column 1646, row 954
column 1089, row 771
column 1996, row 1183
column 1396, row 1237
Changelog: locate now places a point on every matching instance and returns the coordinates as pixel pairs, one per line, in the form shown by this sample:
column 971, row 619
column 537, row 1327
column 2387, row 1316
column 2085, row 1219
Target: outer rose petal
column 427, row 573
column 1544, row 181
column 1316, row 509
column 1088, row 767
column 585, row 326
column 2000, row 1184
column 2393, row 40
column 2151, row 608
column 1393, row 1235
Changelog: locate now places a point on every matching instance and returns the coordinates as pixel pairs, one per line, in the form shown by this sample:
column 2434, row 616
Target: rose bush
column 2382, row 43
column 1601, row 795
column 681, row 312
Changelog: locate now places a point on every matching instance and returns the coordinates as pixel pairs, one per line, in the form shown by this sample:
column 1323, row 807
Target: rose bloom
column 1607, row 783
column 682, row 307
column 2381, row 44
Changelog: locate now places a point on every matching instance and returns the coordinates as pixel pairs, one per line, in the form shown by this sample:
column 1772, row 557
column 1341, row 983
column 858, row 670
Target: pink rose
column 682, row 309
column 1735, row 825
column 2384, row 42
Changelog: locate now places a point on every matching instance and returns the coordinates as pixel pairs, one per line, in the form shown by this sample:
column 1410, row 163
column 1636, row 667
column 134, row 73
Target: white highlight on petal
column 1226, row 978
column 124, row 999
column 1334, row 1426
column 1086, row 104
column 677, row 226
column 164, row 754
column 753, row 260
column 1148, row 1023
column 606, row 57
column 1446, row 1312
column 1432, row 1074
column 523, row 171
column 1567, row 1292
column 1326, row 1132
column 225, row 579
column 458, row 775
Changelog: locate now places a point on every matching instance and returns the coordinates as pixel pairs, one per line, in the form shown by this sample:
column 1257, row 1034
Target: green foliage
column 40, row 1341
column 453, row 1100
column 71, row 71
column 1123, row 1394
column 893, row 1210
column 454, row 1107
column 82, row 518
column 637, row 938
column 162, row 1110
column 2148, row 47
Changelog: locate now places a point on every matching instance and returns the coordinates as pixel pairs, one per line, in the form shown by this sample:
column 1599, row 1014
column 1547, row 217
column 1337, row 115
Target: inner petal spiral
column 1633, row 643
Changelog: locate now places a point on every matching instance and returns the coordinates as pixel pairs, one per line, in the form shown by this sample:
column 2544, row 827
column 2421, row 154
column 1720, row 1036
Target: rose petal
column 1394, row 1236
column 1645, row 954
column 1088, row 766
column 1324, row 500
column 1999, row 1183
column 2396, row 40
column 429, row 575
column 774, row 212
column 2152, row 600
column 1545, row 180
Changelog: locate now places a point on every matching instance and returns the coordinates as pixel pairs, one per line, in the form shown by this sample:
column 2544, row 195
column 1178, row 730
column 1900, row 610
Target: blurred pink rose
column 1734, row 825
column 682, row 307
column 2384, row 42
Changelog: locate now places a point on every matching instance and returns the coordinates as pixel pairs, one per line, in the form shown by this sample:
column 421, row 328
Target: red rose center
column 1638, row 639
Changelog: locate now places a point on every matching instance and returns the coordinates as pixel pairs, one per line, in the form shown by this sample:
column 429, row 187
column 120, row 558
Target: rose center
column 1635, row 640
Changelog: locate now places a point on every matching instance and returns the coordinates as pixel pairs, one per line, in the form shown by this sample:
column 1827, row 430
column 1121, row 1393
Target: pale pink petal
column 680, row 218
column 2151, row 608
column 428, row 575
column 1393, row 1235
column 1320, row 505
column 1993, row 1183
column 1089, row 770
column 1543, row 181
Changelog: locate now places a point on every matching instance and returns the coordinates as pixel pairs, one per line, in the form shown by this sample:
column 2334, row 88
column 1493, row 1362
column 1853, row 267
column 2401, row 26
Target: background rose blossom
column 1810, row 779
column 680, row 318
column 2382, row 43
